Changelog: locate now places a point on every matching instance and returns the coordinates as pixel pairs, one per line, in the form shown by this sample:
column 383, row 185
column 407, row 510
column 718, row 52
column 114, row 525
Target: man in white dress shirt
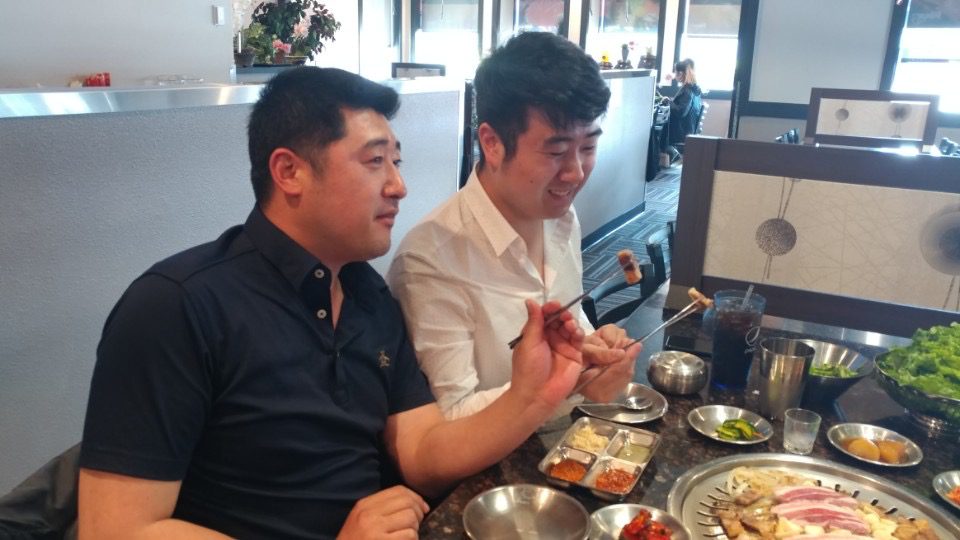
column 462, row 274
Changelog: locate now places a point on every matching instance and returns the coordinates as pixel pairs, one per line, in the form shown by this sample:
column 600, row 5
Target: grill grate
column 711, row 522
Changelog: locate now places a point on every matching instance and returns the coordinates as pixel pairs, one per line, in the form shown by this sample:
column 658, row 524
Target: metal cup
column 784, row 364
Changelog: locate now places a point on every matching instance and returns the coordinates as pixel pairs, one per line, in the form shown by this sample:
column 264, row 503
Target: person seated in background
column 685, row 108
column 511, row 233
column 262, row 385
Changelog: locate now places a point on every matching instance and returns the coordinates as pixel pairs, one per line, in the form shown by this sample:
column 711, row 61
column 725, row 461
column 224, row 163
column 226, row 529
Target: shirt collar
column 498, row 230
column 297, row 264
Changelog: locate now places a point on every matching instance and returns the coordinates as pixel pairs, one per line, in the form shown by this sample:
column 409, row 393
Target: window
column 930, row 52
column 540, row 15
column 710, row 38
column 614, row 23
column 447, row 32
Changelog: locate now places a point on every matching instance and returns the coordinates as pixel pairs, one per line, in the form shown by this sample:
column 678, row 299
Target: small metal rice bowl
column 606, row 523
column 843, row 432
column 944, row 483
column 525, row 512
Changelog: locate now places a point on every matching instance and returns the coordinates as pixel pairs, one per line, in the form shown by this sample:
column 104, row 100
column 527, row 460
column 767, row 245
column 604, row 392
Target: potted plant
column 303, row 25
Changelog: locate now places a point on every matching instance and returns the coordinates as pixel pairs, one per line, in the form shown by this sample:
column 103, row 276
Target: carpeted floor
column 600, row 259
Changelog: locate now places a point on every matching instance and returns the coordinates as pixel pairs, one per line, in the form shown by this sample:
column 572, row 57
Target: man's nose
column 395, row 187
column 573, row 169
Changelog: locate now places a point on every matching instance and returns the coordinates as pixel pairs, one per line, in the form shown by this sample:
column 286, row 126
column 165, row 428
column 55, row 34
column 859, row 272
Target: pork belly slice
column 823, row 514
column 829, row 536
column 789, row 494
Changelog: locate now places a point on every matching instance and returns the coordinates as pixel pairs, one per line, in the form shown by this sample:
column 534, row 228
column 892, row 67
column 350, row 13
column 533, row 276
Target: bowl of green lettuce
column 924, row 377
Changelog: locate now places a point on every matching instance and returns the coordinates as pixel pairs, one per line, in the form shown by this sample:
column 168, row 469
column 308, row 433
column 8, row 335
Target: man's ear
column 286, row 170
column 491, row 145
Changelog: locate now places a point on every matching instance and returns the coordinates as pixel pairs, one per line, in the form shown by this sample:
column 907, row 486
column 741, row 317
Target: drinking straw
column 746, row 297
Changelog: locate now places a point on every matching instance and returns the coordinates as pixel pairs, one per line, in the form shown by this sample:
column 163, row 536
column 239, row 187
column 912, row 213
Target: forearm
column 471, row 403
column 175, row 528
column 456, row 449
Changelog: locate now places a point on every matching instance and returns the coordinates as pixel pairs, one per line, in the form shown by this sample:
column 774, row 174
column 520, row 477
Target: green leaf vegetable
column 737, row 429
column 931, row 363
column 832, row 370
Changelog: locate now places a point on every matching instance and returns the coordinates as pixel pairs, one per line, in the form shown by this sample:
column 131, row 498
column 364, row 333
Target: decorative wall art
column 940, row 246
column 777, row 236
column 877, row 243
column 874, row 118
column 894, row 119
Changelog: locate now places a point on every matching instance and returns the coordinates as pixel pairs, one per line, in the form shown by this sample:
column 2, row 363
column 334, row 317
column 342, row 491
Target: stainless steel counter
column 24, row 103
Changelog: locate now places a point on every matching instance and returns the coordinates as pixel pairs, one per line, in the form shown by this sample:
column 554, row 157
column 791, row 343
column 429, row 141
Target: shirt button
column 318, row 273
column 322, row 314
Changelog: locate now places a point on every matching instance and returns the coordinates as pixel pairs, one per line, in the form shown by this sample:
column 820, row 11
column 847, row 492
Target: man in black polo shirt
column 257, row 386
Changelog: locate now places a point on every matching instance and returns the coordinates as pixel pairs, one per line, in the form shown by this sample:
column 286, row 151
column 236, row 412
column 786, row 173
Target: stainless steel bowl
column 942, row 408
column 605, row 523
column 840, row 433
column 525, row 511
column 944, row 482
column 821, row 390
column 675, row 372
column 708, row 418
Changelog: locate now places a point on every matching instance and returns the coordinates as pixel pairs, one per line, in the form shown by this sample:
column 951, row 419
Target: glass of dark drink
column 735, row 335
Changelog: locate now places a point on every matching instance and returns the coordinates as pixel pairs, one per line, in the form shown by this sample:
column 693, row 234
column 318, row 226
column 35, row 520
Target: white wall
column 818, row 43
column 87, row 203
column 51, row 42
column 717, row 118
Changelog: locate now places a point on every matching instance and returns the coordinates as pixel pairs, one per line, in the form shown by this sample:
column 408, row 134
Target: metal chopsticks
column 554, row 315
column 691, row 308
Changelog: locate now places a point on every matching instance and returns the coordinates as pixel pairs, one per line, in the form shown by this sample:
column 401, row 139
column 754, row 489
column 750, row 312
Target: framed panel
column 861, row 238
column 872, row 118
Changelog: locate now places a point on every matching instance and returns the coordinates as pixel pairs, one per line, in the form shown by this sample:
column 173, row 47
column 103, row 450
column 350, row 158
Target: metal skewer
column 680, row 315
column 553, row 316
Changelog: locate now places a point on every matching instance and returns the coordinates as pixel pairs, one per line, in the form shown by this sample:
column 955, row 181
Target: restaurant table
column 681, row 448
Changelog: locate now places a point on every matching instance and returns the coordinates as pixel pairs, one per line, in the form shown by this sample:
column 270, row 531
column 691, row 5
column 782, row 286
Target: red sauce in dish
column 569, row 470
column 643, row 527
column 615, row 480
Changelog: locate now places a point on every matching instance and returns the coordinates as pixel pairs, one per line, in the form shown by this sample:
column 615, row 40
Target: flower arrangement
column 296, row 27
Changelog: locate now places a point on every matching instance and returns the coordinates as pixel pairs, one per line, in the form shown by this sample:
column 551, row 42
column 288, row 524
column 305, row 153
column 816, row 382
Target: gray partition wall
column 90, row 201
column 617, row 185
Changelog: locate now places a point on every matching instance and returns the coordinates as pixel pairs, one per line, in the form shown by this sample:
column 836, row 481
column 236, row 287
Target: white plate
column 708, row 418
column 621, row 415
column 606, row 523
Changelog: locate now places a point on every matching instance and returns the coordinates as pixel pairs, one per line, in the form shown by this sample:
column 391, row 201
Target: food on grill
column 644, row 527
column 588, row 440
column 737, row 429
column 770, row 504
column 568, row 469
column 697, row 296
column 631, row 269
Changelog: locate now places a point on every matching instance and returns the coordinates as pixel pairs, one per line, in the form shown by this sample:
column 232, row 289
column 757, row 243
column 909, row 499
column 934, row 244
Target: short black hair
column 542, row 71
column 301, row 109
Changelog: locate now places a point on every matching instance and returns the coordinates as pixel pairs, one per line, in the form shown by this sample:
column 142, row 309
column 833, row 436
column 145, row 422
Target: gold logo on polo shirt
column 384, row 360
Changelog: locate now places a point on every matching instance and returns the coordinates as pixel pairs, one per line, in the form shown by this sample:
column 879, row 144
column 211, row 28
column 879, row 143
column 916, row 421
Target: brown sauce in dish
column 569, row 470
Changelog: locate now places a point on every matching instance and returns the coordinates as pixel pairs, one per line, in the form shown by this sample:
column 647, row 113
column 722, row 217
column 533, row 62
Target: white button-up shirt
column 461, row 276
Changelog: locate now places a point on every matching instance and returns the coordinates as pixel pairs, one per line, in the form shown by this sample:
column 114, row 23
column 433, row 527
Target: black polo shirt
column 220, row 367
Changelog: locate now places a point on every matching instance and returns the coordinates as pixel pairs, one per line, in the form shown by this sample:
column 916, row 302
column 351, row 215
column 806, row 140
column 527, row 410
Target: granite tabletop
column 682, row 448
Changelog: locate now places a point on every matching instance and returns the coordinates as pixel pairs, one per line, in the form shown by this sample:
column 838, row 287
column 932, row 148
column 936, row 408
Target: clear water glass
column 800, row 428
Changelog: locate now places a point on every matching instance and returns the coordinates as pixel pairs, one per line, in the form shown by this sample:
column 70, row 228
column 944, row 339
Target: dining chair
column 44, row 505
column 654, row 274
